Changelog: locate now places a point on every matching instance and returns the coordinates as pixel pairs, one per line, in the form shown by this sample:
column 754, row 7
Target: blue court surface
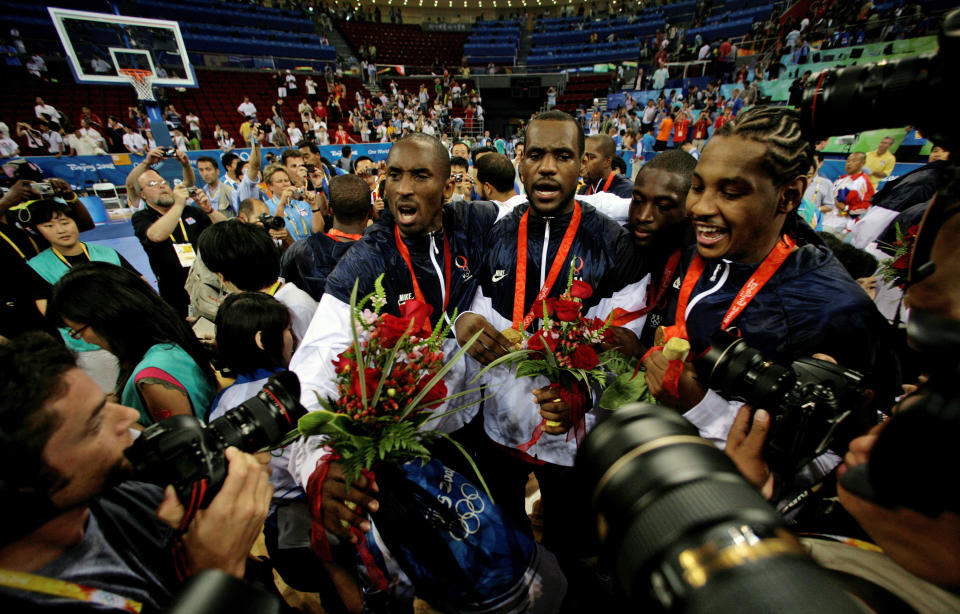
column 118, row 234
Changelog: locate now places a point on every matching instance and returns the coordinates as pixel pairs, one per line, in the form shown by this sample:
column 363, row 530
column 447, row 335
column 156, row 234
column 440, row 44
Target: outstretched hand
column 744, row 446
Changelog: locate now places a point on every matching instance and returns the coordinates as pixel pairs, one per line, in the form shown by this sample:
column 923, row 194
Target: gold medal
column 514, row 336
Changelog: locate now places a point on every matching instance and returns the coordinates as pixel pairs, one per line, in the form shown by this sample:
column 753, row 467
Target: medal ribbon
column 334, row 233
column 606, row 186
column 760, row 277
column 622, row 317
column 521, row 322
column 405, row 254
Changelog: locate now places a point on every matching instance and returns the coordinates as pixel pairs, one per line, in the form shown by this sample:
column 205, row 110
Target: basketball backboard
column 99, row 45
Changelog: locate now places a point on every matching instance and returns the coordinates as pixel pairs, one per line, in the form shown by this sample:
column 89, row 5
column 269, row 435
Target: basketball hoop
column 142, row 81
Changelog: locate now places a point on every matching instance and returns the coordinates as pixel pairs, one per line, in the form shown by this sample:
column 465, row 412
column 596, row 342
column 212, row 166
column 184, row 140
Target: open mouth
column 708, row 235
column 406, row 214
column 546, row 192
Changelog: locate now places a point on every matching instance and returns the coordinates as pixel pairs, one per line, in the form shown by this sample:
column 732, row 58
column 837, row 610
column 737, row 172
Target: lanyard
column 64, row 260
column 622, row 317
column 760, row 277
column 334, row 233
column 521, row 322
column 69, row 590
column 183, row 229
column 405, row 254
column 273, row 289
column 13, row 245
column 276, row 203
column 606, row 186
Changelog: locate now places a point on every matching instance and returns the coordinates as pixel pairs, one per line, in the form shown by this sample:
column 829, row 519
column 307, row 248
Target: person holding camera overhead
column 757, row 267
column 164, row 371
column 299, row 207
column 168, row 228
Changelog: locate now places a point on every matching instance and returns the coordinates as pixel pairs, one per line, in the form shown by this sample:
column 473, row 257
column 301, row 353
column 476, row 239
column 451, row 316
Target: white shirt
column 54, row 141
column 247, row 108
column 291, row 82
column 47, row 109
column 93, row 135
column 295, row 134
column 704, row 52
column 8, row 147
column 134, row 141
column 311, row 85
column 301, row 306
column 193, row 122
column 100, row 65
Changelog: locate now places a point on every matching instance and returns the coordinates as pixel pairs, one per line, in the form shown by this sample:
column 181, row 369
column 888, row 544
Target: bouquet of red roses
column 389, row 381
column 564, row 351
column 896, row 270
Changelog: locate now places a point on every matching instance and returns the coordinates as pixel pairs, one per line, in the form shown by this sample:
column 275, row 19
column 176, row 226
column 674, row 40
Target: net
column 142, row 81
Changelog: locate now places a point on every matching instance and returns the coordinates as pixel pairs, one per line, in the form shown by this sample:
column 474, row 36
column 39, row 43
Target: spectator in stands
column 164, row 371
column 246, row 259
column 32, row 136
column 365, row 168
column 308, row 263
column 663, row 133
column 649, row 114
column 167, row 227
column 47, row 113
column 496, row 181
column 597, row 171
column 722, row 119
column 114, row 134
column 879, row 164
column 193, row 125
column 93, row 120
column 341, row 137
column 853, row 192
column 82, row 144
column 134, row 142
column 701, row 130
column 460, row 172
column 64, row 461
column 172, row 118
column 247, row 109
column 221, row 195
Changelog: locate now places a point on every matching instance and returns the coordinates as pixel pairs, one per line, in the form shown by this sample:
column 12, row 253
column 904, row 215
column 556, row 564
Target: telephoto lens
column 683, row 531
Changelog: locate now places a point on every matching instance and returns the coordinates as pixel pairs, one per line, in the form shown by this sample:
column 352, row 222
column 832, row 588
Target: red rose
column 420, row 313
column 580, row 289
column 567, row 311
column 538, row 307
column 432, row 399
column 343, row 362
column 901, row 262
column 391, row 328
column 371, row 378
column 536, row 342
column 584, row 358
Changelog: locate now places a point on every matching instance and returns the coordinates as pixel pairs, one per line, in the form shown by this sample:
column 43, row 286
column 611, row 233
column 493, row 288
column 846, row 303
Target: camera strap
column 69, row 590
column 757, row 281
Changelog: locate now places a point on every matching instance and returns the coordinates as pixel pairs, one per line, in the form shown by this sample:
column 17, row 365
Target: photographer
column 889, row 481
column 67, row 516
column 168, row 228
column 300, row 208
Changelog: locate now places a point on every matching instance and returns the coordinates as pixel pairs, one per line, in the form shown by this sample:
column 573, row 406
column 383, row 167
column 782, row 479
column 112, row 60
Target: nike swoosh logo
column 498, row 276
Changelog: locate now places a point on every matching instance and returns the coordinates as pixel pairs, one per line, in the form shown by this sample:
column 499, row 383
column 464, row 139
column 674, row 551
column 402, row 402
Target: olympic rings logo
column 468, row 509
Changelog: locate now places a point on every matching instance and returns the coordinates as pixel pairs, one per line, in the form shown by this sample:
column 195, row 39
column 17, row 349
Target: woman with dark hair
column 56, row 222
column 164, row 371
column 255, row 340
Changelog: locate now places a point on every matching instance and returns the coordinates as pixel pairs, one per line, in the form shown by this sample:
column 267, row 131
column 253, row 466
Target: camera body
column 271, row 222
column 812, row 403
column 193, row 190
column 299, row 194
column 182, row 451
column 170, row 152
column 42, row 188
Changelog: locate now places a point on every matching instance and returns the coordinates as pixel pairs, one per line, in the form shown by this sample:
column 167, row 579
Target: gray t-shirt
column 95, row 563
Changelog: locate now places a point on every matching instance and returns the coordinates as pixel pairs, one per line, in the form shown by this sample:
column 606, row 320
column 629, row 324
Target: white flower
column 368, row 317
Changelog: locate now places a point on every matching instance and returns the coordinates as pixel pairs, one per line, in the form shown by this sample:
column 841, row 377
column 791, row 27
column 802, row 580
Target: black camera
column 917, row 86
column 170, row 152
column 183, row 452
column 683, row 531
column 271, row 222
column 814, row 404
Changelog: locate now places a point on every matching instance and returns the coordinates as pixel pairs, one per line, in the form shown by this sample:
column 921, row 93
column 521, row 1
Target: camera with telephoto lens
column 889, row 93
column 683, row 531
column 813, row 404
column 271, row 222
column 182, row 451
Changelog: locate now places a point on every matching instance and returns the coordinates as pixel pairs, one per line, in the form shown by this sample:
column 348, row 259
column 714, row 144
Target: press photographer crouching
column 70, row 511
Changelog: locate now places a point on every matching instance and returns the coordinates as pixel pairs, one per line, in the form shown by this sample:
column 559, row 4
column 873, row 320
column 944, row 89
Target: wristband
column 315, row 210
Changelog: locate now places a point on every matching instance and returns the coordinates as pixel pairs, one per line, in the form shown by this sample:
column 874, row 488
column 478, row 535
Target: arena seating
column 405, row 44
column 215, row 101
column 581, row 90
column 493, row 41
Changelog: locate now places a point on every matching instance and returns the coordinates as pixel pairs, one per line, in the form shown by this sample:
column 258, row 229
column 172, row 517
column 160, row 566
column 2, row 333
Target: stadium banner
column 83, row 171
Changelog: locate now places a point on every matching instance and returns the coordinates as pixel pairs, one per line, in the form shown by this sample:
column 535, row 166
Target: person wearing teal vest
column 164, row 371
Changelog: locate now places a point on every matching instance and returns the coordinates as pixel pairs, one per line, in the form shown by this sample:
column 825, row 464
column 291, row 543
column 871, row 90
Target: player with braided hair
column 754, row 268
